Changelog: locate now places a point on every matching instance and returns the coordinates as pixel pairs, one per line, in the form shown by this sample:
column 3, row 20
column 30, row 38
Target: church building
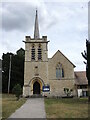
column 43, row 75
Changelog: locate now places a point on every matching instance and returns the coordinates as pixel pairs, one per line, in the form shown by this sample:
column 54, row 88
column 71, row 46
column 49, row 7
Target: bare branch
column 84, row 55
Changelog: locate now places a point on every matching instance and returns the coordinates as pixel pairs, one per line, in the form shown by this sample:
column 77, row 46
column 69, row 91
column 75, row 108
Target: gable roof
column 80, row 78
column 64, row 56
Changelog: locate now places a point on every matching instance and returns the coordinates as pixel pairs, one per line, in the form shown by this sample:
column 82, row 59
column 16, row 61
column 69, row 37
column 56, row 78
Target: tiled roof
column 80, row 78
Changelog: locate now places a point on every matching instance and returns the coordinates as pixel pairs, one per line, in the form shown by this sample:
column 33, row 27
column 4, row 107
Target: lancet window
column 59, row 71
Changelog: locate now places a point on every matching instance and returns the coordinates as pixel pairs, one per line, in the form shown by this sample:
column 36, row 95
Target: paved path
column 33, row 108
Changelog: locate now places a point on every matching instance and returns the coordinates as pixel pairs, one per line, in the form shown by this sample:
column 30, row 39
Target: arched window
column 33, row 52
column 39, row 52
column 59, row 71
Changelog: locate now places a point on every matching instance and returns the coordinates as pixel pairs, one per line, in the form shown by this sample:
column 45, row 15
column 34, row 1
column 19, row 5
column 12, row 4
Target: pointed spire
column 36, row 28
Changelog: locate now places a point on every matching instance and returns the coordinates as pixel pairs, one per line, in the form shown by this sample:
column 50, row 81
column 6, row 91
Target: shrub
column 17, row 91
column 67, row 91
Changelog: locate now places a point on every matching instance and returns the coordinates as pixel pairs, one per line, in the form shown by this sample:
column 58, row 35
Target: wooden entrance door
column 36, row 88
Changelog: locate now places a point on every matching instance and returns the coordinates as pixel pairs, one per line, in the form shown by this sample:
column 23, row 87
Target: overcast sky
column 64, row 23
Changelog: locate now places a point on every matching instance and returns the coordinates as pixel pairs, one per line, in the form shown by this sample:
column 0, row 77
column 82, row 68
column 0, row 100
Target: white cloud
column 65, row 24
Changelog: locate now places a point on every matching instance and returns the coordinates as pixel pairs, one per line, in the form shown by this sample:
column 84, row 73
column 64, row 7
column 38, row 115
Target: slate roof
column 80, row 78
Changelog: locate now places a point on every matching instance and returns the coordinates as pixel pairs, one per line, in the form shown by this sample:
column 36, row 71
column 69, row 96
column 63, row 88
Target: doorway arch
column 36, row 88
column 31, row 84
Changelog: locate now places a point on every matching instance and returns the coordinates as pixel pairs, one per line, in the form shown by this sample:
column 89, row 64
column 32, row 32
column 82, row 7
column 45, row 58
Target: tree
column 86, row 56
column 88, row 67
column 5, row 68
column 20, row 52
column 88, row 60
column 17, row 70
column 17, row 91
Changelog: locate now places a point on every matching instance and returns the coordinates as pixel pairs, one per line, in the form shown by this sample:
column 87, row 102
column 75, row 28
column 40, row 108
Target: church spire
column 36, row 28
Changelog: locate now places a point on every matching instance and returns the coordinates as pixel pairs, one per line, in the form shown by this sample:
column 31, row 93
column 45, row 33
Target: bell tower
column 36, row 61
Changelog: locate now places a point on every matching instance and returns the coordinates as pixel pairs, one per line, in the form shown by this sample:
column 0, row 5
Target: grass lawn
column 66, row 108
column 10, row 104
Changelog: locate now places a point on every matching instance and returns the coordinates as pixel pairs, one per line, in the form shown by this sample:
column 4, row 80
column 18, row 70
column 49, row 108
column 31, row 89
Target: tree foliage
column 17, row 70
column 17, row 90
column 86, row 56
column 88, row 60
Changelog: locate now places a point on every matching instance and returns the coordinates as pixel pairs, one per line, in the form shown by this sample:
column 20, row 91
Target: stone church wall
column 57, row 85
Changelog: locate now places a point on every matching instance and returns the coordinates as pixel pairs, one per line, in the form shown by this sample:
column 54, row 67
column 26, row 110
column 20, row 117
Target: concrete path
column 33, row 108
